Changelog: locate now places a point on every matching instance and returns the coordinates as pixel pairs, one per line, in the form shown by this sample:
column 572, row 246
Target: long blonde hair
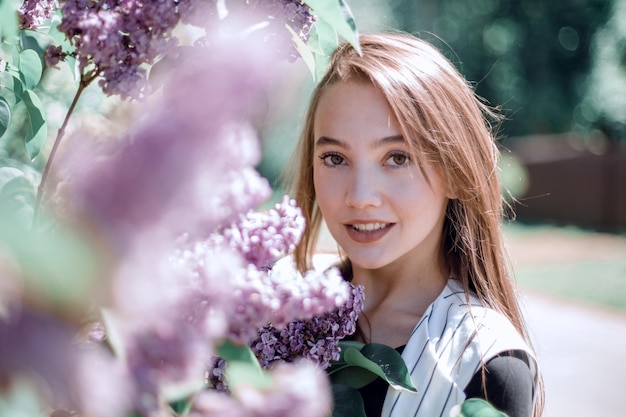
column 450, row 128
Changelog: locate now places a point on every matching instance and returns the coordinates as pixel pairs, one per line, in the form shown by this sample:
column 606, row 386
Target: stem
column 85, row 80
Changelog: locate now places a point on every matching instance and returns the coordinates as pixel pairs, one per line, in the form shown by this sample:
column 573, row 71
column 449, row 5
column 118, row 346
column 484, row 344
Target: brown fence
column 570, row 186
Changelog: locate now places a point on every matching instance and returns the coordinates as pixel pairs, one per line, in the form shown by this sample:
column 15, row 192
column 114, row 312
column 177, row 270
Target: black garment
column 508, row 384
column 507, row 379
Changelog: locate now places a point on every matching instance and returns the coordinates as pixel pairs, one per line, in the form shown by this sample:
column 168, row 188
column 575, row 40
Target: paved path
column 582, row 352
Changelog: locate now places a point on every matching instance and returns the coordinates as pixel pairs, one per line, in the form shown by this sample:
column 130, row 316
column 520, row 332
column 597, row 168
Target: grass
column 570, row 263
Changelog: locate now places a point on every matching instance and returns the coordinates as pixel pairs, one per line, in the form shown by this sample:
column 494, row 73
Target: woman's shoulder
column 455, row 300
column 465, row 316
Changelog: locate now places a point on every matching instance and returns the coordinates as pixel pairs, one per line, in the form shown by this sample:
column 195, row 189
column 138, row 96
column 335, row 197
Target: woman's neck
column 396, row 297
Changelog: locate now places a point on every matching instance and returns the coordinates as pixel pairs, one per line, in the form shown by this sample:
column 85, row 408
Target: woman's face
column 376, row 201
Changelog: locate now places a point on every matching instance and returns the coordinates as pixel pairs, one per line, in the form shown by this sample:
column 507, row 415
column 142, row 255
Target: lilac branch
column 85, row 81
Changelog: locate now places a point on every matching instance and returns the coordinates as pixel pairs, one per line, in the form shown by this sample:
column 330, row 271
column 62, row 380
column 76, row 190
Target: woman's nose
column 363, row 189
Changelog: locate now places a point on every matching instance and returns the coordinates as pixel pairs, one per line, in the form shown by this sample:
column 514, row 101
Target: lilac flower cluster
column 279, row 298
column 171, row 313
column 298, row 389
column 34, row 13
column 40, row 348
column 188, row 163
column 264, row 237
column 294, row 13
column 164, row 318
column 120, row 37
column 186, row 167
column 316, row 339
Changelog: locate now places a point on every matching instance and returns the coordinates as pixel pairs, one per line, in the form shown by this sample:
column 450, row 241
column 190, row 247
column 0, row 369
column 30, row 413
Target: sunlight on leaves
column 38, row 127
column 30, row 67
column 339, row 16
column 5, row 116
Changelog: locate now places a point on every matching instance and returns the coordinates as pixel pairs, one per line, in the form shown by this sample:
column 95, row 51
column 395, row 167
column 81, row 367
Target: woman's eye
column 398, row 159
column 332, row 159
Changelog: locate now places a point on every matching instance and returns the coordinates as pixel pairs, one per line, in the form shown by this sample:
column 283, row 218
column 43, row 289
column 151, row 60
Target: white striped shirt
column 446, row 348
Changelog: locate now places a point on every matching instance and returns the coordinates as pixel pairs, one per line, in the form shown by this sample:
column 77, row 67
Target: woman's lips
column 368, row 232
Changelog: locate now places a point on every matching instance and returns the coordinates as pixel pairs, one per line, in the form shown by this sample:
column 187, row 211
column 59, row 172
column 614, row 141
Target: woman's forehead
column 352, row 108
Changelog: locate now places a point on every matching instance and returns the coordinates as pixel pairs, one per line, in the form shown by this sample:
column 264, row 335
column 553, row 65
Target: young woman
column 398, row 159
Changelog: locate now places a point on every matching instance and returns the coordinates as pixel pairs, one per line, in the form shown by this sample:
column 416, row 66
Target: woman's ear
column 451, row 192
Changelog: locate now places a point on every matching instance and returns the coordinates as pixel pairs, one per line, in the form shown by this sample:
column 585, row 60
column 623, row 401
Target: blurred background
column 557, row 71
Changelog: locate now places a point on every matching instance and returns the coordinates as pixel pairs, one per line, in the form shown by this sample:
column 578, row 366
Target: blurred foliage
column 605, row 101
column 532, row 57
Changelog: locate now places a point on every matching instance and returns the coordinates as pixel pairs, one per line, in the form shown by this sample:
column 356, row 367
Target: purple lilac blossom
column 188, row 165
column 198, row 13
column 171, row 313
column 166, row 359
column 298, row 389
column 22, row 331
column 281, row 298
column 41, row 348
column 264, row 237
column 197, row 307
column 316, row 339
column 209, row 403
column 157, row 289
column 120, row 37
column 215, row 375
column 103, row 386
column 168, row 313
column 54, row 54
column 296, row 14
column 34, row 13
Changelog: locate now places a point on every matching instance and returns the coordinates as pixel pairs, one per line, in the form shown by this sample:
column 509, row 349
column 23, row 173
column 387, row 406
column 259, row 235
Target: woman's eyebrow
column 389, row 140
column 325, row 140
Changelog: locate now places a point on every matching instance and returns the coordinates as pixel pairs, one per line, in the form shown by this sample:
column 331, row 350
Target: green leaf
column 38, row 127
column 323, row 38
column 60, row 270
column 243, row 367
column 304, row 50
column 5, row 116
column 181, row 407
column 353, row 376
column 392, row 364
column 10, row 79
column 477, row 407
column 322, row 42
column 340, row 364
column 231, row 352
column 344, row 344
column 347, row 402
column 30, row 68
column 339, row 16
column 383, row 361
column 55, row 34
column 244, row 374
column 17, row 193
